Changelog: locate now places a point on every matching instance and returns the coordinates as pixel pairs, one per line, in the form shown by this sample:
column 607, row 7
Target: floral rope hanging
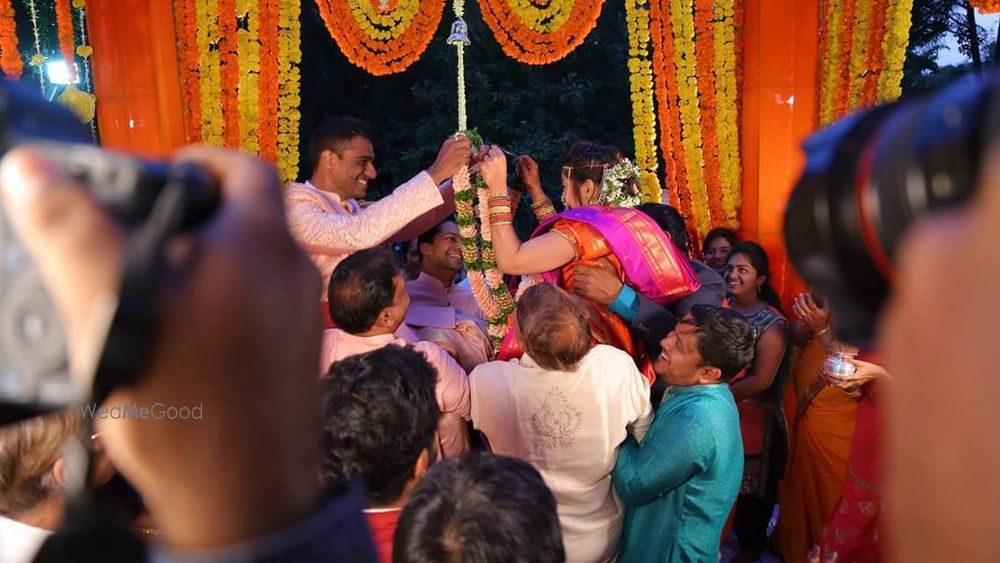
column 540, row 31
column 472, row 212
column 382, row 36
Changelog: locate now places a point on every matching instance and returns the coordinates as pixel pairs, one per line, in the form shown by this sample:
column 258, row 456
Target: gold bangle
column 825, row 330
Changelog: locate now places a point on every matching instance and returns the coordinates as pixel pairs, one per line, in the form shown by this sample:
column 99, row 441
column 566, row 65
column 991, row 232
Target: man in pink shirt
column 368, row 302
column 324, row 215
column 443, row 312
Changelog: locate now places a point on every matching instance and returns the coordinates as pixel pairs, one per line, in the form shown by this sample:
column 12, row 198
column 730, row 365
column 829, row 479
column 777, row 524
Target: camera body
column 869, row 176
column 34, row 371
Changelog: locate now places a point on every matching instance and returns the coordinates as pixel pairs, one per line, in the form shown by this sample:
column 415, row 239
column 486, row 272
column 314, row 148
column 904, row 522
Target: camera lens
column 868, row 177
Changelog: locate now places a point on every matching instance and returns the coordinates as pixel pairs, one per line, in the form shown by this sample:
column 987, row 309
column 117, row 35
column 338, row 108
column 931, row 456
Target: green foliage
column 931, row 22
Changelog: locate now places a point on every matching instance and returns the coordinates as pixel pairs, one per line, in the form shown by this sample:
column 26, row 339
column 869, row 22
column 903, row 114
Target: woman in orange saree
column 599, row 191
column 823, row 424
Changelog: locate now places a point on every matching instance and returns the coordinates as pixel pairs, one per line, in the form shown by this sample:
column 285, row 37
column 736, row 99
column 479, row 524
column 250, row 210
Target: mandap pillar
column 136, row 76
column 780, row 109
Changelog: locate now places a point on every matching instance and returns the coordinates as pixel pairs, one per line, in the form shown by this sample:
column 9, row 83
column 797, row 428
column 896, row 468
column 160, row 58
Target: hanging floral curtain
column 239, row 62
column 382, row 36
column 695, row 62
column 862, row 49
column 540, row 31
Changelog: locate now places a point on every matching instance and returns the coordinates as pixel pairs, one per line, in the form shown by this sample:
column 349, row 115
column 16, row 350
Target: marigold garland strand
column 874, row 62
column 10, row 56
column 897, row 37
column 665, row 75
column 267, row 126
column 206, row 32
column 849, row 19
column 289, row 79
column 830, row 64
column 707, row 104
column 229, row 61
column 860, row 58
column 727, row 113
column 186, row 18
column 248, row 53
column 643, row 99
column 687, row 88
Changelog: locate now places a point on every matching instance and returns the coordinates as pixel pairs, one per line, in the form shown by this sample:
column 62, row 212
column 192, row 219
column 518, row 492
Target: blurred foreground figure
column 939, row 338
column 236, row 485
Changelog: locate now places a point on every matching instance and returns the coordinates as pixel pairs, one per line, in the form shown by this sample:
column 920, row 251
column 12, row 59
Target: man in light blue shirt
column 680, row 483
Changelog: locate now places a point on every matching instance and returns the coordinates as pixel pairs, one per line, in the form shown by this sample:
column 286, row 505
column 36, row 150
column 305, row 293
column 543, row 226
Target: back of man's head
column 362, row 286
column 480, row 509
column 334, row 134
column 553, row 327
column 28, row 451
column 726, row 339
column 670, row 221
column 380, row 414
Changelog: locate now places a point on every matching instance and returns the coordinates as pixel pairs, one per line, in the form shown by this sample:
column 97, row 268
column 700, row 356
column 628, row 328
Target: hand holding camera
column 247, row 357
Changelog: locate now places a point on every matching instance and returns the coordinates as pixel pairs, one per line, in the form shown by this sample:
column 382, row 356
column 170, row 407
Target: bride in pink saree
column 600, row 189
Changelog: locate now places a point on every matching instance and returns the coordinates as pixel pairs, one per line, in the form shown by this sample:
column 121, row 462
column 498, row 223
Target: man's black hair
column 362, row 286
column 670, row 221
column 726, row 339
column 380, row 413
column 428, row 237
column 334, row 134
column 480, row 509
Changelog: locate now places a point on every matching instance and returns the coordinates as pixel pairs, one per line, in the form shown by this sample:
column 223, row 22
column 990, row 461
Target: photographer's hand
column 238, row 334
column 939, row 338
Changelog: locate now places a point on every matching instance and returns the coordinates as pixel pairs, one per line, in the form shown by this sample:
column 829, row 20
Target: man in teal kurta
column 680, row 483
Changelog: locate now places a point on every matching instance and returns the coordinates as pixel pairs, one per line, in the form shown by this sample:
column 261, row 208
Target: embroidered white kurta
column 568, row 425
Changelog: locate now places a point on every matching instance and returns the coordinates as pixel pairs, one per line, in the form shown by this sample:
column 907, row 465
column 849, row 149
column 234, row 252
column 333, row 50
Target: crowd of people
column 651, row 401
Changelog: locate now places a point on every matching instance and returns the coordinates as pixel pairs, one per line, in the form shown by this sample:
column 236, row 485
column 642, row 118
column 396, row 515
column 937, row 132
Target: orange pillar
column 780, row 109
column 136, row 77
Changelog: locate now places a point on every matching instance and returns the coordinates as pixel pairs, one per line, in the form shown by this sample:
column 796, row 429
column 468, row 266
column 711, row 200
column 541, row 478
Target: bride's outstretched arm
column 540, row 254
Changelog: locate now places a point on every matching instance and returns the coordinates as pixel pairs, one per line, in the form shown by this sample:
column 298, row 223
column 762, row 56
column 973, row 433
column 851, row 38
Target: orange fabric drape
column 817, row 467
